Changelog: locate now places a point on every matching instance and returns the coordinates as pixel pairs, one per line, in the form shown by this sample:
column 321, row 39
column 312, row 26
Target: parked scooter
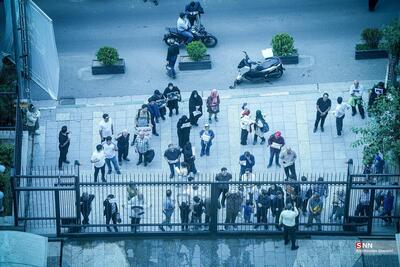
column 256, row 71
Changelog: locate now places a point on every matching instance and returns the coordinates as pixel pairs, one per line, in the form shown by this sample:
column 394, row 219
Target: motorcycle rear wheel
column 210, row 41
column 279, row 73
column 169, row 40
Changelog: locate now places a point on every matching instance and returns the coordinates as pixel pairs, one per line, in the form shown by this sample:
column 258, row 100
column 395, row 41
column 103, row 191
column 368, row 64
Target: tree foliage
column 196, row 50
column 371, row 37
column 107, row 55
column 6, row 159
column 391, row 38
column 283, row 45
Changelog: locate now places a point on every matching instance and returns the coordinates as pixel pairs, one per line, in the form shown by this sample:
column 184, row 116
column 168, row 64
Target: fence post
column 214, row 208
column 77, row 193
column 371, row 211
column 57, row 203
column 348, row 190
column 15, row 196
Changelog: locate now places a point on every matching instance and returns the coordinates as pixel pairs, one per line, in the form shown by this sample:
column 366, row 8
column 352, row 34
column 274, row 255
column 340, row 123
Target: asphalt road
column 325, row 34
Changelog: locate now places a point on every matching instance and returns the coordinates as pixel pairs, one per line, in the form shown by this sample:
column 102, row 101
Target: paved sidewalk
column 290, row 110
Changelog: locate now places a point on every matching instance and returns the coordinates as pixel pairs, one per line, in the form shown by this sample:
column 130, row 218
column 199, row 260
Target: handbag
column 118, row 217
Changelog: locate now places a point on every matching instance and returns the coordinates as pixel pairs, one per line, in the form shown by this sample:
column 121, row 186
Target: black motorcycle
column 257, row 71
column 199, row 34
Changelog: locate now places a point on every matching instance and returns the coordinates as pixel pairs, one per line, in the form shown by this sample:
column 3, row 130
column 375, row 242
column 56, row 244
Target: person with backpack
column 197, row 211
column 111, row 211
column 260, row 127
column 288, row 158
column 168, row 210
column 213, row 105
column 86, row 206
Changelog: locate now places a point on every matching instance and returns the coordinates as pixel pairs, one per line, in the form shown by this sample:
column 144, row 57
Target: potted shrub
column 370, row 48
column 197, row 58
column 108, row 62
column 283, row 47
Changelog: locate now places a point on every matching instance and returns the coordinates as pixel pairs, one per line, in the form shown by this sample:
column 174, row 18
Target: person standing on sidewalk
column 195, row 108
column 287, row 218
column 356, row 98
column 172, row 55
column 260, row 127
column 172, row 155
column 339, row 113
column 189, row 157
column 32, row 119
column 109, row 150
column 213, row 105
column 275, row 143
column 161, row 102
column 106, row 127
column 63, row 145
column 183, row 129
column 288, row 158
column 123, row 146
column 173, row 96
column 278, row 203
column 245, row 126
column 314, row 208
column 86, row 206
column 99, row 162
column 223, row 188
column 141, row 147
column 324, row 104
column 168, row 210
column 206, row 136
column 247, row 162
column 111, row 211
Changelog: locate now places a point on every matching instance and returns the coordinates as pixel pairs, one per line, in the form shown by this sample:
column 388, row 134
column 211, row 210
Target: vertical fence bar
column 348, row 190
column 77, row 195
column 214, row 209
column 370, row 211
column 57, row 203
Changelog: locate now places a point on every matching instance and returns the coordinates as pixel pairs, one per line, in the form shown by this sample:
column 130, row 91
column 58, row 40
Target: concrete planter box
column 99, row 68
column 371, row 54
column 185, row 63
column 287, row 60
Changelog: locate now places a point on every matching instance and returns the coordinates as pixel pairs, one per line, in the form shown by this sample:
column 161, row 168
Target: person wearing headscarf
column 213, row 105
column 195, row 107
column 189, row 157
column 173, row 96
column 183, row 128
column 161, row 101
column 275, row 143
column 260, row 127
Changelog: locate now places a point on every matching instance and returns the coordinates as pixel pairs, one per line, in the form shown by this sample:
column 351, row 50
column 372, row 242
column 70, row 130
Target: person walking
column 106, row 127
column 86, row 206
column 324, row 104
column 161, row 102
column 339, row 113
column 287, row 218
column 109, row 151
column 275, row 143
column 99, row 161
column 195, row 108
column 172, row 55
column 172, row 155
column 32, row 119
column 356, row 98
column 63, row 145
column 183, row 129
column 223, row 187
column 245, row 126
column 206, row 137
column 288, row 158
column 260, row 127
column 314, row 208
column 189, row 157
column 141, row 147
column 213, row 102
column 247, row 162
column 168, row 210
column 173, row 96
column 123, row 146
column 111, row 211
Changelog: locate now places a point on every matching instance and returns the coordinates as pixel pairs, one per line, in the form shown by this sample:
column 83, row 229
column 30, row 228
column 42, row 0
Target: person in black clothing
column 172, row 155
column 183, row 128
column 277, row 206
column 64, row 141
column 324, row 104
column 197, row 212
column 223, row 176
column 195, row 108
column 111, row 211
column 372, row 5
column 189, row 157
column 263, row 204
column 275, row 143
column 155, row 2
column 161, row 103
column 173, row 96
column 184, row 214
column 172, row 55
column 86, row 206
column 193, row 7
column 123, row 146
column 374, row 94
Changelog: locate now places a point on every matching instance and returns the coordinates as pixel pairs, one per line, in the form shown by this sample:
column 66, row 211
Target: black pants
column 85, row 218
column 163, row 112
column 63, row 156
column 173, row 104
column 113, row 217
column 304, row 203
column 192, row 166
column 360, row 109
column 123, row 153
column 274, row 152
column 142, row 158
column 277, row 214
column 290, row 231
column 290, row 170
column 135, row 224
column 243, row 137
column 339, row 125
column 153, row 123
column 223, row 192
column 194, row 119
column 262, row 216
column 103, row 173
column 320, row 118
column 185, row 222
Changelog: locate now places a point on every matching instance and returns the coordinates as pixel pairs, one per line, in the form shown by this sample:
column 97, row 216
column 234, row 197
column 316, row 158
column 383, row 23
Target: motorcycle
column 199, row 34
column 255, row 71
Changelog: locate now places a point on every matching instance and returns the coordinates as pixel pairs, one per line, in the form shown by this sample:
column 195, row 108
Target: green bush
column 283, row 45
column 7, row 106
column 6, row 158
column 196, row 50
column 372, row 37
column 107, row 55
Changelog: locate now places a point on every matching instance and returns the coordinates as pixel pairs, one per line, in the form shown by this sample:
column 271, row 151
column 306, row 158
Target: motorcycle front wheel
column 279, row 73
column 210, row 41
column 170, row 39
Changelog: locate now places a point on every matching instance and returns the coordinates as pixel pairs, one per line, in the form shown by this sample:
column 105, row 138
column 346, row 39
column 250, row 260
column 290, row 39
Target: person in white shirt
column 183, row 27
column 99, row 163
column 105, row 127
column 110, row 156
column 356, row 98
column 339, row 113
column 136, row 209
column 288, row 220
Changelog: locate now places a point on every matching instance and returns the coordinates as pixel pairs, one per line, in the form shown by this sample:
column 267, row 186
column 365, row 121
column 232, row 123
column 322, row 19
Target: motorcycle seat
column 269, row 62
column 173, row 30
